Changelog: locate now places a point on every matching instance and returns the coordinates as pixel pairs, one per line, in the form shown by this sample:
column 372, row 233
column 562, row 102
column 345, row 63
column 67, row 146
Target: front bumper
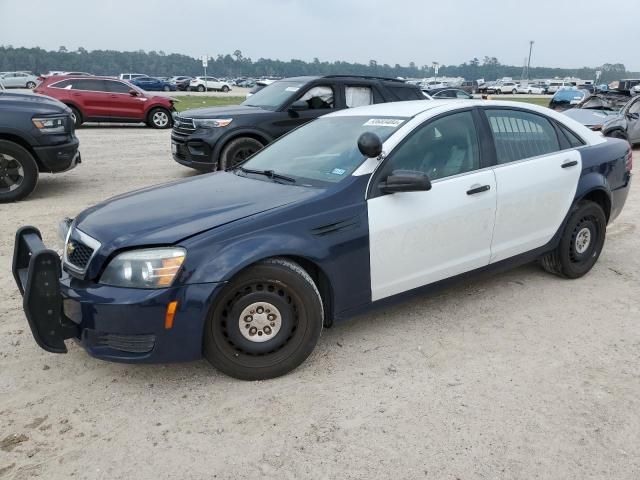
column 193, row 151
column 59, row 158
column 111, row 323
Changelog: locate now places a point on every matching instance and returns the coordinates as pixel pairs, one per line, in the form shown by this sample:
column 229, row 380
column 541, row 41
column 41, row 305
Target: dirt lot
column 517, row 376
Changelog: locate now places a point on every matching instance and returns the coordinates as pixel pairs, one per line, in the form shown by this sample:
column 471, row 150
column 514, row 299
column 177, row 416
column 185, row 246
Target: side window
column 358, row 96
column 519, row 135
column 117, row 87
column 90, row 85
column 440, row 148
column 572, row 138
column 404, row 93
column 63, row 84
column 462, row 94
column 319, row 97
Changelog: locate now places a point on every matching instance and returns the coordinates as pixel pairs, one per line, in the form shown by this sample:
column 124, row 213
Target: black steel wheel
column 581, row 242
column 266, row 322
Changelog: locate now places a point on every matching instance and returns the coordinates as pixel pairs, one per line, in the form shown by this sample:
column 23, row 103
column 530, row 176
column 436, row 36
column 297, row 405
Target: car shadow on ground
column 381, row 322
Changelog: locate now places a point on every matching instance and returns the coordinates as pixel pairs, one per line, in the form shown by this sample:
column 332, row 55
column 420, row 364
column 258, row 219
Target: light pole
column 436, row 67
column 529, row 61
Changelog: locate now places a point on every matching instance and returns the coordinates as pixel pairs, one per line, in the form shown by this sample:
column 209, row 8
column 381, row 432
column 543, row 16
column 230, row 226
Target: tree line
column 159, row 63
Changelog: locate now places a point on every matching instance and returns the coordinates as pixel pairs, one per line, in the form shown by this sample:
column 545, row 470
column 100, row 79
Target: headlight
column 50, row 124
column 150, row 268
column 212, row 122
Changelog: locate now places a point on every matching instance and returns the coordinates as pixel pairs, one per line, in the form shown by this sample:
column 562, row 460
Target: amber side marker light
column 170, row 315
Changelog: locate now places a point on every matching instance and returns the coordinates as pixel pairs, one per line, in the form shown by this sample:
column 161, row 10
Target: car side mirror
column 134, row 93
column 405, row 181
column 633, row 116
column 370, row 145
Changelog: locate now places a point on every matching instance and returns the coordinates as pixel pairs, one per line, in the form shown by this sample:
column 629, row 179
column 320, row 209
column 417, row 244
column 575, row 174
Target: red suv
column 103, row 99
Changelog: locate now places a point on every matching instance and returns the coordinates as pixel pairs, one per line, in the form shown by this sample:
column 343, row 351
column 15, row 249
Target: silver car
column 19, row 80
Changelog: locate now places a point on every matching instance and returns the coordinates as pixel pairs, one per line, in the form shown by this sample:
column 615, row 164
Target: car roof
column 393, row 109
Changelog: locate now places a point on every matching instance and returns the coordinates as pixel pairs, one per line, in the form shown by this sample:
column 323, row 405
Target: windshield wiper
column 268, row 173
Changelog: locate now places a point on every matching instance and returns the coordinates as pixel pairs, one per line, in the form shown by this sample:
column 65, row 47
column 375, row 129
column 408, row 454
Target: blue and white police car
column 245, row 267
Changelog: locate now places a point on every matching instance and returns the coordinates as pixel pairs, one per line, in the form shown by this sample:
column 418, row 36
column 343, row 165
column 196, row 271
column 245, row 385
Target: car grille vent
column 80, row 254
column 125, row 343
column 184, row 126
column 335, row 227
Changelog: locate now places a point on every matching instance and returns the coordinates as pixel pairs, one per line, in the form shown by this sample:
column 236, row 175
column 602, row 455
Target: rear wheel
column 166, row 88
column 267, row 321
column 514, row 91
column 18, row 172
column 201, row 88
column 225, row 89
column 237, row 151
column 581, row 242
column 159, row 118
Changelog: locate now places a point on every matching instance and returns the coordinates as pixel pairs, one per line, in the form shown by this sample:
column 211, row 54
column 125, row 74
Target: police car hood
column 166, row 214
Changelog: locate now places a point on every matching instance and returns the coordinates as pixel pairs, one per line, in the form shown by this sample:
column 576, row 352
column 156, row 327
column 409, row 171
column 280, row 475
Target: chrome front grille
column 183, row 126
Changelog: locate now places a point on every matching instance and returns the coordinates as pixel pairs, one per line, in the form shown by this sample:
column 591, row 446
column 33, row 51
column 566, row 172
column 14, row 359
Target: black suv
column 219, row 138
column 36, row 135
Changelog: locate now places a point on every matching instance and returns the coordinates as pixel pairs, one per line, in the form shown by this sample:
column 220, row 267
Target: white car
column 504, row 87
column 19, row 80
column 203, row 84
column 531, row 88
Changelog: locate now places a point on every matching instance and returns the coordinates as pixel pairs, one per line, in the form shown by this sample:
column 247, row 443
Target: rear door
column 92, row 96
column 536, row 181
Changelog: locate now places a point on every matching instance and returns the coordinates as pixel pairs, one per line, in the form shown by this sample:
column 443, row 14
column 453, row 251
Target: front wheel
column 225, row 89
column 237, row 151
column 514, row 91
column 159, row 118
column 18, row 172
column 581, row 242
column 31, row 85
column 266, row 322
column 166, row 88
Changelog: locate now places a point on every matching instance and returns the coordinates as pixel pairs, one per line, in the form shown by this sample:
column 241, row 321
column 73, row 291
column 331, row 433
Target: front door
column 536, row 181
column 417, row 238
column 122, row 103
column 307, row 105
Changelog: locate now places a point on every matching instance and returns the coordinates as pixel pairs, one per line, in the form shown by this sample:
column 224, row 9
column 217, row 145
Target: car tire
column 31, row 85
column 166, row 88
column 159, row 118
column 514, row 91
column 201, row 88
column 617, row 134
column 18, row 172
column 267, row 321
column 237, row 151
column 76, row 116
column 225, row 89
column 581, row 242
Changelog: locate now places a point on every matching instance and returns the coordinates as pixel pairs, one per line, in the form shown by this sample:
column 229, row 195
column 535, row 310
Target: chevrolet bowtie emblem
column 70, row 249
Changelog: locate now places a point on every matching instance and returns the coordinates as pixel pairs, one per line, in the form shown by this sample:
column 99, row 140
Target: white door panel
column 534, row 197
column 419, row 238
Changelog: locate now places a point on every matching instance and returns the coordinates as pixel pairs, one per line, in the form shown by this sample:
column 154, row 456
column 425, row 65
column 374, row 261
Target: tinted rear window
column 405, row 92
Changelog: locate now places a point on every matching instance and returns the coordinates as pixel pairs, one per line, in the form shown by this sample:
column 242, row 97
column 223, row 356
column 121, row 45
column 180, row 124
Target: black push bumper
column 37, row 272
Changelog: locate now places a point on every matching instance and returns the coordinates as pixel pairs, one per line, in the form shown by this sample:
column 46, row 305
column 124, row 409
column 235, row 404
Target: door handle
column 479, row 189
column 572, row 163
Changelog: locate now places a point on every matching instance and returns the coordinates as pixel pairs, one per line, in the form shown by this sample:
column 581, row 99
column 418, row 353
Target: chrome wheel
column 583, row 240
column 11, row 173
column 260, row 322
column 160, row 119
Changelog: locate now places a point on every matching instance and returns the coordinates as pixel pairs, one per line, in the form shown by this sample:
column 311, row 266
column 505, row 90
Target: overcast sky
column 567, row 33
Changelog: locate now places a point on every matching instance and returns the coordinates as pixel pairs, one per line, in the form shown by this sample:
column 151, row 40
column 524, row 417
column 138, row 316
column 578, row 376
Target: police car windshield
column 273, row 96
column 322, row 152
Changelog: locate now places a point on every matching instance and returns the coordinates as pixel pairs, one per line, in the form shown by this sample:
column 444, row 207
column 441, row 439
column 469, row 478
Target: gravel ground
column 520, row 375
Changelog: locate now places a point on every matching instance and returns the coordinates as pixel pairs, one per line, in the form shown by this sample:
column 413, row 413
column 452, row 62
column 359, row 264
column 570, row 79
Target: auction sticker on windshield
column 383, row 122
